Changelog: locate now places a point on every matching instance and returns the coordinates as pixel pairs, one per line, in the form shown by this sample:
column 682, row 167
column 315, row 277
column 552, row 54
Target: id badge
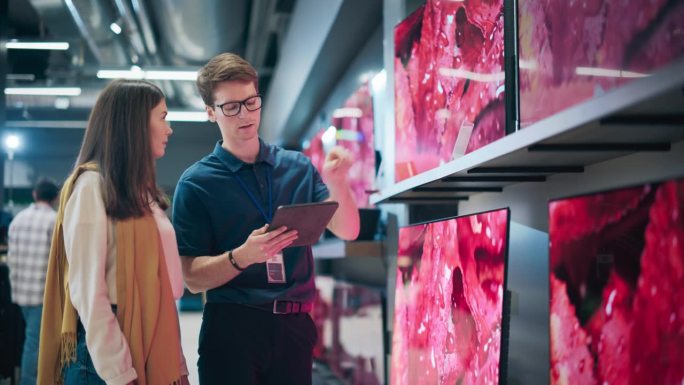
column 275, row 269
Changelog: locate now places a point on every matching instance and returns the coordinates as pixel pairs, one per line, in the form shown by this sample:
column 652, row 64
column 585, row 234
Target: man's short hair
column 224, row 67
column 46, row 190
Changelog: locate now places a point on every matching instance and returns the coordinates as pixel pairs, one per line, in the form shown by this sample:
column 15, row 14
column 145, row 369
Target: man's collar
column 233, row 163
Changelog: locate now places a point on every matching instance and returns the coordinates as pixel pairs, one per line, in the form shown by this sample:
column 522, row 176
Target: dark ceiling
column 178, row 34
column 155, row 33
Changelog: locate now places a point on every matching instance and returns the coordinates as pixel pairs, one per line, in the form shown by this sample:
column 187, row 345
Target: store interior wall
column 527, row 280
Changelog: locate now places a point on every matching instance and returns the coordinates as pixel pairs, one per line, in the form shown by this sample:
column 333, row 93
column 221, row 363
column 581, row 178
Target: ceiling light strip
column 149, row 74
column 42, row 45
column 186, row 116
column 40, row 91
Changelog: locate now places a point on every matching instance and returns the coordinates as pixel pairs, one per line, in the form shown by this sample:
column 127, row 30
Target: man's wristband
column 234, row 262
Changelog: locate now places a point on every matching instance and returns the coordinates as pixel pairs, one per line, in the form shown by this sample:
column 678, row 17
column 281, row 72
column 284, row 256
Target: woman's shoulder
column 88, row 180
column 86, row 200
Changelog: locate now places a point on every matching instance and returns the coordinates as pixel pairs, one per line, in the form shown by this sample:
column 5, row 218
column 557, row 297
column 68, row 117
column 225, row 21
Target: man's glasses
column 229, row 109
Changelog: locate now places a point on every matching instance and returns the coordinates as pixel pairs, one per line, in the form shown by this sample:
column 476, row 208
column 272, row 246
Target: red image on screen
column 449, row 299
column 352, row 128
column 449, row 82
column 571, row 51
column 617, row 286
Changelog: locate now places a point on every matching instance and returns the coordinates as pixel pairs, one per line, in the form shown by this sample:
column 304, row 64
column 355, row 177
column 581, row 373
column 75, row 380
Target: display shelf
column 336, row 248
column 644, row 115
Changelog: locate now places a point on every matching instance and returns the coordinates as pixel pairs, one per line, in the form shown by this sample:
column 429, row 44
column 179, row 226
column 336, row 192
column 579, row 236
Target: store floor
column 190, row 322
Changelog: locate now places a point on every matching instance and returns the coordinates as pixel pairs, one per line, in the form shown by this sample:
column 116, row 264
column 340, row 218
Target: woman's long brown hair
column 117, row 139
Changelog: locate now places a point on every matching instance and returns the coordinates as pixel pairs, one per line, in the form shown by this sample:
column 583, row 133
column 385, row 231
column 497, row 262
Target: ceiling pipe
column 142, row 15
column 132, row 31
column 89, row 16
column 140, row 35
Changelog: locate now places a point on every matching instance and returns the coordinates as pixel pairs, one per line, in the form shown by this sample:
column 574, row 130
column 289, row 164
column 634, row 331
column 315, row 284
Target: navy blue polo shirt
column 212, row 213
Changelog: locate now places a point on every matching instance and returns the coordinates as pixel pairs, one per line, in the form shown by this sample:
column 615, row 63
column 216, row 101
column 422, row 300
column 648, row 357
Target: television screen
column 322, row 316
column 617, row 286
column 349, row 319
column 351, row 128
column 314, row 150
column 449, row 299
column 571, row 51
column 359, row 344
column 449, row 82
column 354, row 124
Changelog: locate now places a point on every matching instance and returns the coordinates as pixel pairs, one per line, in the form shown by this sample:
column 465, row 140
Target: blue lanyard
column 267, row 216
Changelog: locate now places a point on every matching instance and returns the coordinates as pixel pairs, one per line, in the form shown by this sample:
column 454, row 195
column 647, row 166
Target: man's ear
column 211, row 113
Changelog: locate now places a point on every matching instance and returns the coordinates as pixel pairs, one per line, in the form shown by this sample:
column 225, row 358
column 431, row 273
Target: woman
column 115, row 251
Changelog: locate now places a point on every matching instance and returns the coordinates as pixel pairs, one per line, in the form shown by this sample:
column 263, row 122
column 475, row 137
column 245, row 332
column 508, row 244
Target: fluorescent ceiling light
column 57, row 45
column 347, row 113
column 474, row 76
column 606, row 72
column 120, row 74
column 62, row 103
column 46, row 123
column 137, row 73
column 21, row 77
column 12, row 142
column 56, row 91
column 116, row 28
column 171, row 75
column 187, row 116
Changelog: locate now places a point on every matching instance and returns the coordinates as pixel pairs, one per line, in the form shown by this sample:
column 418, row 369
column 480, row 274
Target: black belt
column 280, row 306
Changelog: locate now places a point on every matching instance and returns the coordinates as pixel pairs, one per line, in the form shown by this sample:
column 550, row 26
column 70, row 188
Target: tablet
column 309, row 219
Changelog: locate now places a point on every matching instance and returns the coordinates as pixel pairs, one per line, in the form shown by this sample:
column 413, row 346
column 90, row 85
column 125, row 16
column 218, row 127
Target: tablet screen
column 309, row 219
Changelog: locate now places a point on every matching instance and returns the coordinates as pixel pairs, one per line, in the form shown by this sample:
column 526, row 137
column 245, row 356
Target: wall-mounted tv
column 449, row 83
column 571, row 51
column 314, row 150
column 352, row 128
column 449, row 313
column 354, row 124
column 617, row 286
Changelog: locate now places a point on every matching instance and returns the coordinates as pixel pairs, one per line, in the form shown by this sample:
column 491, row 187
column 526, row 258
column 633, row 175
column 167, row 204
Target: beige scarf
column 146, row 309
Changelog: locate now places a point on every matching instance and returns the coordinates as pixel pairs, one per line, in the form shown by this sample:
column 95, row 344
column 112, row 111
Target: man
column 255, row 329
column 30, row 235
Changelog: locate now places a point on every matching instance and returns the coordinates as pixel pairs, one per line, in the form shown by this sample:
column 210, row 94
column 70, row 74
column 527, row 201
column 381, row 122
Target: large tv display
column 354, row 124
column 449, row 302
column 449, row 82
column 351, row 128
column 349, row 319
column 571, row 51
column 314, row 150
column 617, row 286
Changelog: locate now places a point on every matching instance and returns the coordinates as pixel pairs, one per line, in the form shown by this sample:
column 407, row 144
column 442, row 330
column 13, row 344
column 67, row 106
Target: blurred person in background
column 29, row 237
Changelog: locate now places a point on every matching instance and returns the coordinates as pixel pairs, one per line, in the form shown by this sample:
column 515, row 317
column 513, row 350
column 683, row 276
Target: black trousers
column 244, row 345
